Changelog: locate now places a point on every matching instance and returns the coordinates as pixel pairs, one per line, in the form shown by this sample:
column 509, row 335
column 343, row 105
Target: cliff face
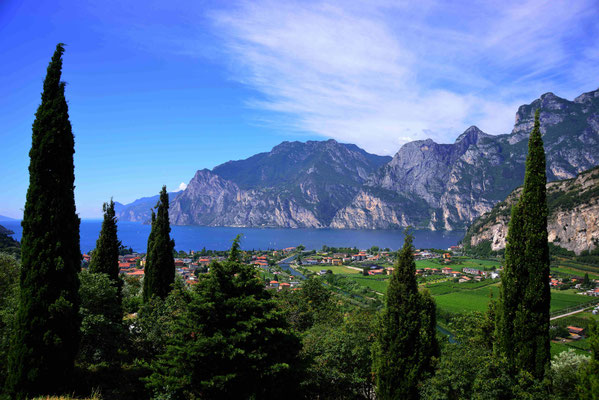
column 573, row 221
column 426, row 184
column 213, row 201
column 464, row 180
column 294, row 185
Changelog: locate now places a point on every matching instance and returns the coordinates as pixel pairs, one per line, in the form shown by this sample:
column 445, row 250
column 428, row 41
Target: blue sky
column 159, row 89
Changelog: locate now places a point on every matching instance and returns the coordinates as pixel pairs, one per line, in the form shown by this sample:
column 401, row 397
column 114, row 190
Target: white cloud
column 182, row 186
column 378, row 74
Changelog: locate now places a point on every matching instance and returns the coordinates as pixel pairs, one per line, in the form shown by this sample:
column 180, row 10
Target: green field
column 376, row 283
column 561, row 299
column 572, row 271
column 484, row 265
column 471, row 296
column 461, row 301
column 337, row 269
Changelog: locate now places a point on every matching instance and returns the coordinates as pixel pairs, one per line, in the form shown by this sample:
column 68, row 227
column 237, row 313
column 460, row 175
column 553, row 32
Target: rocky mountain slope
column 427, row 185
column 460, row 182
column 573, row 221
column 294, row 185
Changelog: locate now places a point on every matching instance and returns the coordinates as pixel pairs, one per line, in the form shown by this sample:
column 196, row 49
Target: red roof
column 575, row 329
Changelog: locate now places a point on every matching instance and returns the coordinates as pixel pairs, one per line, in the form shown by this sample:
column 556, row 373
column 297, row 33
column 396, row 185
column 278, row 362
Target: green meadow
column 451, row 296
column 336, row 269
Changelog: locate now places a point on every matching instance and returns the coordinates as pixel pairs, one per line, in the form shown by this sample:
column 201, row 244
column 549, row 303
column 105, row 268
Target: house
column 359, row 257
column 376, row 271
column 273, row 284
column 446, row 270
column 575, row 330
column 464, row 279
column 336, row 261
column 284, row 285
column 446, row 256
column 471, row 271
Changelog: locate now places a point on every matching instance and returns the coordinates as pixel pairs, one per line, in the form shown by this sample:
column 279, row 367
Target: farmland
column 450, row 296
column 335, row 269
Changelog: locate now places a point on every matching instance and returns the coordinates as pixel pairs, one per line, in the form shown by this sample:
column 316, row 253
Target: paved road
column 567, row 314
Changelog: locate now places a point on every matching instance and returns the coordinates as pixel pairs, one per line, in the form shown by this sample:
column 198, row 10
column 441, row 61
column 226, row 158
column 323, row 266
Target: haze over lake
column 220, row 238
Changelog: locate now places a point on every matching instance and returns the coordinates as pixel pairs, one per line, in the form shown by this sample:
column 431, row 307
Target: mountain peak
column 587, row 97
column 470, row 135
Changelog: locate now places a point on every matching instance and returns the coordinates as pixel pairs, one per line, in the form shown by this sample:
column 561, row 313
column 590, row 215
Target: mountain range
column 326, row 184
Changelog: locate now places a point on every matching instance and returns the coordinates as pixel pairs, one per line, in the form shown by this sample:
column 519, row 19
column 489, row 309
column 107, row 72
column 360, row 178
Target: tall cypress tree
column 405, row 340
column 47, row 328
column 105, row 258
column 523, row 312
column 160, row 264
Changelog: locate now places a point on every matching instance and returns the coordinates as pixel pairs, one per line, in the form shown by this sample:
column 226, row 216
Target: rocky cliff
column 462, row 181
column 294, row 185
column 428, row 185
column 573, row 221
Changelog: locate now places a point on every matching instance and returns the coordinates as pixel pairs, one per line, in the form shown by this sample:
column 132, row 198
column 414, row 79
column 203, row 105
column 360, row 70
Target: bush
column 102, row 330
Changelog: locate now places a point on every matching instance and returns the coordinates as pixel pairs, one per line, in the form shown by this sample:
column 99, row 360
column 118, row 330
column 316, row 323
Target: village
column 281, row 268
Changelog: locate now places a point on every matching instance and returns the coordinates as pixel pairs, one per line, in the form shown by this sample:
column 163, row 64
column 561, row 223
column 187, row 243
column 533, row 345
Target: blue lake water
column 188, row 238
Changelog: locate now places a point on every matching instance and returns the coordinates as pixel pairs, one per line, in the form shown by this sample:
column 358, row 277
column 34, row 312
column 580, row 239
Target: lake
column 187, row 238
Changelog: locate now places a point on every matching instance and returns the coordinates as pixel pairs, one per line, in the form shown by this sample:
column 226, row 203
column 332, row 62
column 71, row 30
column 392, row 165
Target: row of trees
column 46, row 335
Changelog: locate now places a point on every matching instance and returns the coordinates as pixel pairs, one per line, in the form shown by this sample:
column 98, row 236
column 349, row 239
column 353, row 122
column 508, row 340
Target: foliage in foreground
column 231, row 341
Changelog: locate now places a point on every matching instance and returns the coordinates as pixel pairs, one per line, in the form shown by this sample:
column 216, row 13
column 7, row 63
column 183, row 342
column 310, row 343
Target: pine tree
column 232, row 342
column 47, row 328
column 105, row 258
column 523, row 312
column 405, row 340
column 160, row 264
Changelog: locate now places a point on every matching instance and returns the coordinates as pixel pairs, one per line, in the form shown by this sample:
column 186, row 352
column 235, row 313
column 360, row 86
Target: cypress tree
column 405, row 340
column 105, row 258
column 47, row 327
column 523, row 312
column 160, row 264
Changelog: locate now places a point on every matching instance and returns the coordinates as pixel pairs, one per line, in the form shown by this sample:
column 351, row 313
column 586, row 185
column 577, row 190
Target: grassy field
column 561, row 299
column 485, row 265
column 573, row 271
column 471, row 296
column 460, row 301
column 376, row 283
column 337, row 269
column 557, row 348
